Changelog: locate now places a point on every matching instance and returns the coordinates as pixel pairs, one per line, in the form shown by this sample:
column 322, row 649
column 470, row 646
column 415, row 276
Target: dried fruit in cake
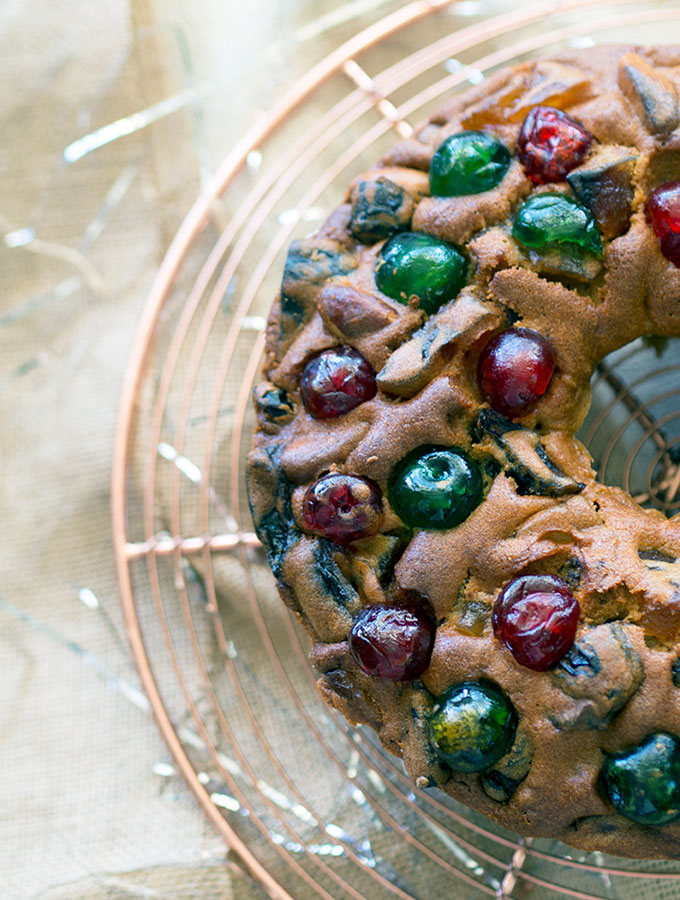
column 643, row 782
column 472, row 726
column 393, row 642
column 468, row 163
column 515, row 369
column 536, row 617
column 551, row 143
column 418, row 267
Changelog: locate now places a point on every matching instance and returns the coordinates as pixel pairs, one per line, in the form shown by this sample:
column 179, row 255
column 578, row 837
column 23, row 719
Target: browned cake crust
column 543, row 511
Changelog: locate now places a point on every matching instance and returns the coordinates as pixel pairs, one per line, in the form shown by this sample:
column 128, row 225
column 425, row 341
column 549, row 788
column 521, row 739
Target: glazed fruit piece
column 468, row 163
column 547, row 221
column 393, row 642
column 380, row 208
column 515, row 369
column 336, row 381
column 274, row 403
column 643, row 783
column 536, row 617
column 342, row 508
column 550, row 144
column 414, row 265
column 663, row 213
column 473, row 725
column 604, row 184
column 435, row 487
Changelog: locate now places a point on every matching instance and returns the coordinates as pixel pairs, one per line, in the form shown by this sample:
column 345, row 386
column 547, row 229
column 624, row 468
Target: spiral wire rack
column 308, row 805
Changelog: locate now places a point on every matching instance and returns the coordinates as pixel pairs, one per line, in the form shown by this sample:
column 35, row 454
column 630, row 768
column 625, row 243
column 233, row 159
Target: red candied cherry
column 336, row 381
column 393, row 642
column 342, row 508
column 536, row 617
column 515, row 369
column 663, row 213
column 550, row 144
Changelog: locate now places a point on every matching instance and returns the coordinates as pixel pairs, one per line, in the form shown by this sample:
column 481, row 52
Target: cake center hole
column 633, row 427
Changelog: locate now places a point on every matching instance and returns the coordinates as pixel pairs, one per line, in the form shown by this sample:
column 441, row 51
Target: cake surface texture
column 508, row 626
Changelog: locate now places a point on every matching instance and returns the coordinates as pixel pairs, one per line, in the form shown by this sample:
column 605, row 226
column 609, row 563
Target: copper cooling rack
column 309, row 806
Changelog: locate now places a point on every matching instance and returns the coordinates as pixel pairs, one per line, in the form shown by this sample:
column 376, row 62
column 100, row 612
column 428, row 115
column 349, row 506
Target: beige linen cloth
column 89, row 807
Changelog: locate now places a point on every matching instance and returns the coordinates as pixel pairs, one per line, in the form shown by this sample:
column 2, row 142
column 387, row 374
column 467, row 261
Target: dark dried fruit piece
column 536, row 617
column 522, row 455
column 605, row 186
column 551, row 143
column 643, row 782
column 309, row 264
column 653, row 95
column 380, row 208
column 274, row 403
column 335, row 382
column 501, row 782
column 342, row 508
column 601, row 672
column 393, row 642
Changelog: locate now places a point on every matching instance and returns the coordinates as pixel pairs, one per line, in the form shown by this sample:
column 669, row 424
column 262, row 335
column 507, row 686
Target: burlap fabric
column 91, row 196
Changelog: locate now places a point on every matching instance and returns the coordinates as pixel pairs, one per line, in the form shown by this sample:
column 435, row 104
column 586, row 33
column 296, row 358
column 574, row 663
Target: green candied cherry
column 468, row 163
column 643, row 782
column 435, row 487
column 554, row 221
column 419, row 265
column 473, row 725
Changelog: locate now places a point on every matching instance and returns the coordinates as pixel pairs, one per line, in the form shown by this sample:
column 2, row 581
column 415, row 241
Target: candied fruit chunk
column 435, row 487
column 550, row 144
column 336, row 381
column 473, row 725
column 342, row 508
column 643, row 783
column 554, row 221
column 536, row 617
column 515, row 369
column 468, row 163
column 415, row 265
column 393, row 642
column 663, row 213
